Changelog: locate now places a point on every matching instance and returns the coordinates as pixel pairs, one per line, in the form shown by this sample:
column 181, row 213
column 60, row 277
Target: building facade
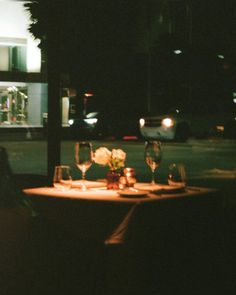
column 23, row 88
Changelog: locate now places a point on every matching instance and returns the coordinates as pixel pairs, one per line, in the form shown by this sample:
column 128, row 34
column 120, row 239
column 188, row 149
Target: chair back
column 10, row 194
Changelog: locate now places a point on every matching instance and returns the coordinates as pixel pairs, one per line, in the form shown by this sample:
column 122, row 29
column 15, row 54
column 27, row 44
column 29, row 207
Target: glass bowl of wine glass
column 62, row 179
column 83, row 159
column 153, row 156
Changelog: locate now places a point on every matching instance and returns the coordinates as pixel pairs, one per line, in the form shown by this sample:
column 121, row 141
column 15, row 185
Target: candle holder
column 113, row 179
column 129, row 174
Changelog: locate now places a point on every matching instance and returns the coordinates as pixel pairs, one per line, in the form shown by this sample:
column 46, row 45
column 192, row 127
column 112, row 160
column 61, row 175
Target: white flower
column 115, row 159
column 102, row 156
column 118, row 154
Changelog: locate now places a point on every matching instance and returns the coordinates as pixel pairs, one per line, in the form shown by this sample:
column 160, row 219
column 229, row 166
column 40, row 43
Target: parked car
column 103, row 125
column 180, row 123
column 81, row 127
column 118, row 125
column 170, row 126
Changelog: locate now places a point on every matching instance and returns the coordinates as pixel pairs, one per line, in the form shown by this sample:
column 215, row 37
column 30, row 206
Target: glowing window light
column 33, row 56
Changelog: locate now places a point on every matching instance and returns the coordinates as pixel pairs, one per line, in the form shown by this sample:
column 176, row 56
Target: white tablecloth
column 103, row 214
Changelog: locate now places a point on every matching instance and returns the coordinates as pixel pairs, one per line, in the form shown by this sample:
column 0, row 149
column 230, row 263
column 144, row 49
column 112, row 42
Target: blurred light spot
column 178, row 51
column 141, row 122
column 226, row 66
column 167, row 122
column 220, row 128
column 91, row 121
column 71, row 122
column 91, row 115
column 88, row 94
column 130, row 137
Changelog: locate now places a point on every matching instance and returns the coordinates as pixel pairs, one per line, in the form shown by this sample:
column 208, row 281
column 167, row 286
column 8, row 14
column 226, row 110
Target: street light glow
column 178, row 51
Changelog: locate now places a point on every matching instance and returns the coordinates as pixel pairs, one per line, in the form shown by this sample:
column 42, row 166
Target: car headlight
column 71, row 122
column 91, row 121
column 167, row 122
column 141, row 122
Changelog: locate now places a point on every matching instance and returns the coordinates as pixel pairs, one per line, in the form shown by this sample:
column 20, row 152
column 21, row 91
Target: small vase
column 113, row 178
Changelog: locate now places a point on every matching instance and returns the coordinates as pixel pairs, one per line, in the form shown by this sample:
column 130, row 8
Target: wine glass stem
column 153, row 177
column 83, row 175
column 83, row 181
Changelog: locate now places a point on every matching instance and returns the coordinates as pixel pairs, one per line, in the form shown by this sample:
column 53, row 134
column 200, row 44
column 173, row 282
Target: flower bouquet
column 115, row 160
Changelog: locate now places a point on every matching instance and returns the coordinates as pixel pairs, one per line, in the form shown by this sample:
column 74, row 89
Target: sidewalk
column 22, row 133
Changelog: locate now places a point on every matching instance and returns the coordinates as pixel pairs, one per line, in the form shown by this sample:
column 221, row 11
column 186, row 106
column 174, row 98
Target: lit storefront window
column 13, row 58
column 22, row 104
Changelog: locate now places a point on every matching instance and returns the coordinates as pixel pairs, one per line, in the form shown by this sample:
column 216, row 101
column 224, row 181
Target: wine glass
column 83, row 159
column 153, row 155
column 177, row 175
column 62, row 179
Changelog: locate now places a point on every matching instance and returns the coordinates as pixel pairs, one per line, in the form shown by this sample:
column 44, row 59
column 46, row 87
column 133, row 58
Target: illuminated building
column 23, row 87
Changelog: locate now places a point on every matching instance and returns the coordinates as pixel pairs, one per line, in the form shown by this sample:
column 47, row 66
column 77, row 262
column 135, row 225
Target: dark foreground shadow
column 193, row 253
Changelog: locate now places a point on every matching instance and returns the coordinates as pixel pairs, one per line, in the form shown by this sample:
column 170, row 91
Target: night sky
column 104, row 47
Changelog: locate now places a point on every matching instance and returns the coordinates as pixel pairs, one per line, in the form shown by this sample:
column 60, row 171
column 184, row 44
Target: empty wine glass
column 83, row 159
column 177, row 175
column 153, row 155
column 62, row 178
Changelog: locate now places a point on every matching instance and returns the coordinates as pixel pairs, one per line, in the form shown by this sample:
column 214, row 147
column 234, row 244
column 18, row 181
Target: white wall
column 4, row 58
column 14, row 22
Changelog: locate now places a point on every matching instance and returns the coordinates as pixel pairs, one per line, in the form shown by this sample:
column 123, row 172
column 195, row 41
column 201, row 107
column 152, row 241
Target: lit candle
column 129, row 174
